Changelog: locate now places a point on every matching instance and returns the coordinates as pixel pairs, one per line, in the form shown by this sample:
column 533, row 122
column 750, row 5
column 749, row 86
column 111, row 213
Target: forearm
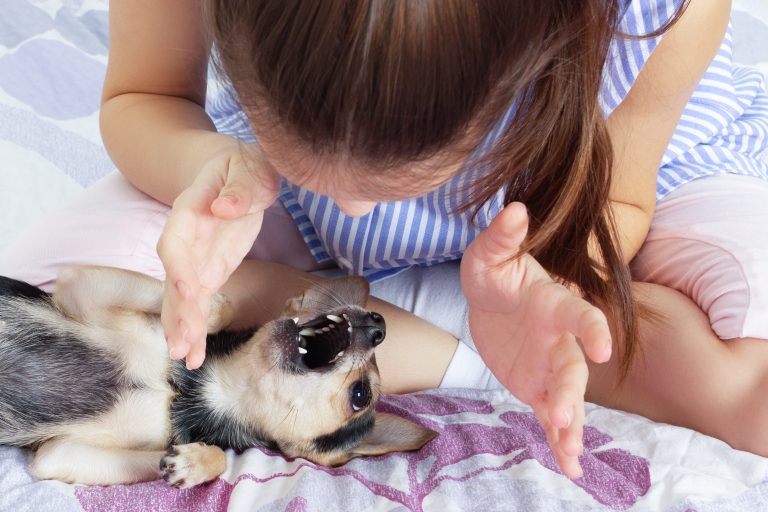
column 159, row 142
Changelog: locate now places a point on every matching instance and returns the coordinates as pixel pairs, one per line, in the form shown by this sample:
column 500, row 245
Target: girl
column 393, row 133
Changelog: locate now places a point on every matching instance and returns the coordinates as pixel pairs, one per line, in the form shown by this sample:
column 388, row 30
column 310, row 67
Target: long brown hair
column 388, row 82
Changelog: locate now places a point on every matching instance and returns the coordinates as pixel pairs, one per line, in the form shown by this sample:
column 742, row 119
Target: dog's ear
column 323, row 297
column 392, row 434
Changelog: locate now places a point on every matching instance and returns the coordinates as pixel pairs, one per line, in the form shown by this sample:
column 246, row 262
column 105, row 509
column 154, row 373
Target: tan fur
column 117, row 311
column 194, row 463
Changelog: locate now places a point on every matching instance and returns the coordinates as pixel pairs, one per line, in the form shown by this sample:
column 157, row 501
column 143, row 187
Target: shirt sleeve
column 627, row 53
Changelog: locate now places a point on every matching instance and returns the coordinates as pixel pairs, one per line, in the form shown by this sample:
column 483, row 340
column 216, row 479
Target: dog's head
column 320, row 380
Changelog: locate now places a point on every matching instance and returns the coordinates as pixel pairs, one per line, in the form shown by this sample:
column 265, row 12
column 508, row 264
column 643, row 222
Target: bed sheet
column 490, row 454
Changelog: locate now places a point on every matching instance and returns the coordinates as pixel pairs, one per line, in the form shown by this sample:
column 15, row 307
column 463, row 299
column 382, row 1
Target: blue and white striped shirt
column 723, row 129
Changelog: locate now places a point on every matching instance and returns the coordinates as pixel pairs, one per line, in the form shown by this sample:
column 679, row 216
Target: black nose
column 376, row 329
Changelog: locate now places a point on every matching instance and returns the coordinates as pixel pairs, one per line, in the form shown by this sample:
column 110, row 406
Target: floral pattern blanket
column 490, row 453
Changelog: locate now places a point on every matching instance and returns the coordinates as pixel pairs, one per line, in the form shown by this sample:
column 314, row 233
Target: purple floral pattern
column 463, row 452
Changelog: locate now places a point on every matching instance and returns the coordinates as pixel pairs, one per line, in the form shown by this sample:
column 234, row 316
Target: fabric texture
column 490, row 455
column 709, row 240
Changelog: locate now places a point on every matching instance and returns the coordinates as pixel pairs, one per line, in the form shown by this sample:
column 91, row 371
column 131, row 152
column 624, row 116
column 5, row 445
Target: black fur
column 193, row 420
column 47, row 374
column 13, row 288
column 347, row 436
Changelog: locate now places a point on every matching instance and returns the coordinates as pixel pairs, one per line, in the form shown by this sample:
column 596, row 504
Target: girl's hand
column 211, row 227
column 526, row 327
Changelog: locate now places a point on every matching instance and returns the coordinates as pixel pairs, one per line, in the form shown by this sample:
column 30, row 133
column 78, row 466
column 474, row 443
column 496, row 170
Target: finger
column 541, row 411
column 577, row 316
column 198, row 333
column 503, row 237
column 568, row 384
column 180, row 317
column 174, row 334
column 196, row 355
column 572, row 438
column 569, row 464
column 566, row 390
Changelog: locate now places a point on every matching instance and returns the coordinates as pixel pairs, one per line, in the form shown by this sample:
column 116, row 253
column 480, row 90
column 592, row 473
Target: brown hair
column 388, row 82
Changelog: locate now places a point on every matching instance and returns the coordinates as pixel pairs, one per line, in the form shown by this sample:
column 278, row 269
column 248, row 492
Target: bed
column 490, row 454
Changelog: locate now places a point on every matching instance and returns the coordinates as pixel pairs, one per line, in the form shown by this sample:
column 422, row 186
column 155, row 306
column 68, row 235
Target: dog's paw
column 187, row 465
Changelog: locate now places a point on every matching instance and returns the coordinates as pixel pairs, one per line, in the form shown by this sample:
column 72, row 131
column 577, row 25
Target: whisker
column 325, row 290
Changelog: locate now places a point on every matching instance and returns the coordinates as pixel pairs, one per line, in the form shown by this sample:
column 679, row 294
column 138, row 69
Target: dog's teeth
column 340, row 354
column 349, row 329
column 302, row 350
column 332, row 326
column 307, row 332
column 335, row 318
column 302, row 342
column 295, row 320
column 345, row 317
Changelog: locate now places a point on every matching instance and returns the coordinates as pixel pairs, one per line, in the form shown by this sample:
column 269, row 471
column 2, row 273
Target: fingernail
column 183, row 289
column 231, row 198
column 568, row 417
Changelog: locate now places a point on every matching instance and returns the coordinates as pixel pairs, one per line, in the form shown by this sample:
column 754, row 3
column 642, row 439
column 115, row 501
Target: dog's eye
column 360, row 395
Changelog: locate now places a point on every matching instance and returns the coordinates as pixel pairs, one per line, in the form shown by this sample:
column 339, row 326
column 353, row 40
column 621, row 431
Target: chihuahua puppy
column 86, row 381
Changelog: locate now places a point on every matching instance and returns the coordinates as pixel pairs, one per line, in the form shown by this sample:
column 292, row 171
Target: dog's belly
column 140, row 417
column 139, row 420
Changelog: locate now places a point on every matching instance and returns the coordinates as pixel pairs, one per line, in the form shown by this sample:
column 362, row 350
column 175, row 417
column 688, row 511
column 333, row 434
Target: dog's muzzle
column 324, row 340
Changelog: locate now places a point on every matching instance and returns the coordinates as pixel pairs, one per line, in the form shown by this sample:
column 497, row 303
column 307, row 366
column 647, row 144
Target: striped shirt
column 723, row 129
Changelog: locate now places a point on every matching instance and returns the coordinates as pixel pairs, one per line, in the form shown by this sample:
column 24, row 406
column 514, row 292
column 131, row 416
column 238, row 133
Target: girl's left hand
column 526, row 327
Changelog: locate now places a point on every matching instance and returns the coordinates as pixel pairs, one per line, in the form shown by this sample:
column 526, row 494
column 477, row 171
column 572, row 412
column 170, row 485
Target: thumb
column 502, row 240
column 245, row 191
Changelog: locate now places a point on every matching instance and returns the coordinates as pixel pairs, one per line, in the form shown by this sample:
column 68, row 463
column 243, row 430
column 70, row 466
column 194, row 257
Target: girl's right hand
column 212, row 225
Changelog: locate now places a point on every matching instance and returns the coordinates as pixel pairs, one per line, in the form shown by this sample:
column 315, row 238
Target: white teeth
column 302, row 350
column 337, row 357
column 307, row 332
column 340, row 354
column 345, row 317
column 296, row 320
column 335, row 318
column 349, row 329
column 332, row 326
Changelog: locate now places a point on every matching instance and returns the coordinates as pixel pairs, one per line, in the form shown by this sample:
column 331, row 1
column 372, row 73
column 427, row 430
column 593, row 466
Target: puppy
column 86, row 381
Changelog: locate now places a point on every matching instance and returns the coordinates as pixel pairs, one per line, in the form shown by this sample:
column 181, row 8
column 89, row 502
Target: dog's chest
column 140, row 415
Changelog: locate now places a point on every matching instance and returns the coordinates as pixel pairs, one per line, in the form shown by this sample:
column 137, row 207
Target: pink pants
column 709, row 240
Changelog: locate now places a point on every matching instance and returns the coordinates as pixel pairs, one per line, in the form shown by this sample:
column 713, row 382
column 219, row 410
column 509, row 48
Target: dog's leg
column 187, row 465
column 75, row 462
column 87, row 293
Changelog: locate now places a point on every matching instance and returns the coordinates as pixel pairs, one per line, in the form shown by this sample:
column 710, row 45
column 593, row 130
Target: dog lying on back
column 86, row 381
